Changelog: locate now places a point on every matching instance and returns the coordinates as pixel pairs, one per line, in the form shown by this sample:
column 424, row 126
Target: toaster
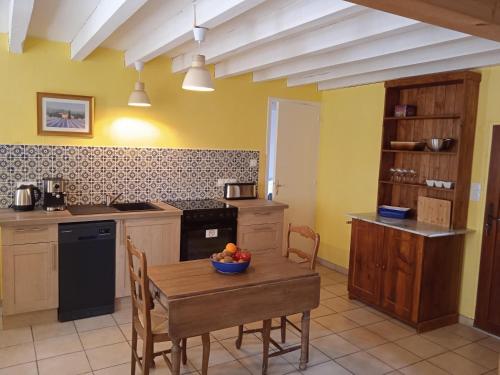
column 240, row 190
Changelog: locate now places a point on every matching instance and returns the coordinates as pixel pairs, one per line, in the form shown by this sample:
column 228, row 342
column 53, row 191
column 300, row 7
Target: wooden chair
column 307, row 258
column 150, row 323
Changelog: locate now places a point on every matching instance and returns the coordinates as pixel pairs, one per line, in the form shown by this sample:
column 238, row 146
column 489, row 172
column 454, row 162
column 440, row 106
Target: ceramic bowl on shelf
column 430, row 183
column 438, row 184
column 407, row 146
column 439, row 144
column 448, row 184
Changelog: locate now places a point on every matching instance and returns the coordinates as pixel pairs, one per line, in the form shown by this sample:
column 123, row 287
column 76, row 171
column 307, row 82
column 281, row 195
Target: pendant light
column 139, row 97
column 198, row 77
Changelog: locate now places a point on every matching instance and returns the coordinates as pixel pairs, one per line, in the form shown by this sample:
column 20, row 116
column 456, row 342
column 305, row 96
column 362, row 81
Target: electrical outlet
column 475, row 192
column 19, row 183
column 222, row 181
column 253, row 163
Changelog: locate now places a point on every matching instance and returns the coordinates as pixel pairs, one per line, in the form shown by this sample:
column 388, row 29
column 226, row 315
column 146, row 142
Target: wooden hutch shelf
column 423, row 117
column 420, row 152
column 420, row 186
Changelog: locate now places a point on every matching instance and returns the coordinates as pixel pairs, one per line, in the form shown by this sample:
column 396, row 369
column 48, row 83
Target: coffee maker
column 54, row 196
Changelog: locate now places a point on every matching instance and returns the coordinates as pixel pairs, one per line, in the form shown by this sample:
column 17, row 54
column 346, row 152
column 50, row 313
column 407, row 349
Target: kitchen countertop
column 247, row 205
column 39, row 216
column 409, row 225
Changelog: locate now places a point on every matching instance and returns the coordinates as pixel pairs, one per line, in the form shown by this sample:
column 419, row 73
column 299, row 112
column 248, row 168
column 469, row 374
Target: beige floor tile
column 469, row 333
column 336, row 323
column 491, row 343
column 292, row 337
column 340, row 304
column 251, row 346
column 126, row 330
column 325, row 294
column 390, row 330
column 24, row 369
column 107, row 356
column 457, row 365
column 480, row 354
column 218, row 355
column 116, row 370
column 394, row 355
column 362, row 316
column 334, row 346
column 423, row 368
column 315, row 357
column 229, row 368
column 68, row 364
column 57, row 346
column 363, row 363
column 46, row 331
column 445, row 338
column 337, row 276
column 321, row 310
column 123, row 316
column 327, row 368
column 226, row 333
column 95, row 322
column 276, row 365
column 15, row 355
column 101, row 337
column 318, row 330
column 327, row 282
column 362, row 338
column 421, row 346
column 11, row 337
column 162, row 369
column 337, row 289
column 196, row 341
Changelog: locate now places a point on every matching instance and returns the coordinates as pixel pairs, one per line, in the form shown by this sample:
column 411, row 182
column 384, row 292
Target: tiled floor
column 346, row 338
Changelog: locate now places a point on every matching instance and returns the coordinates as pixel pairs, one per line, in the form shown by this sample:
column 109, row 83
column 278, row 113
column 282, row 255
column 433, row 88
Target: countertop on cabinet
column 39, row 216
column 409, row 225
column 247, row 205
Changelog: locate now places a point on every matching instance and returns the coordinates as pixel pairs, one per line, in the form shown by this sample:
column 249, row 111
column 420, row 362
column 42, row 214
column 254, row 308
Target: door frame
column 481, row 319
column 270, row 102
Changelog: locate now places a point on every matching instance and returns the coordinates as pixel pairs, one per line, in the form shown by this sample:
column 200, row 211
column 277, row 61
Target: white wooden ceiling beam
column 453, row 49
column 178, row 29
column 106, row 18
column 272, row 20
column 427, row 35
column 369, row 25
column 467, row 62
column 19, row 20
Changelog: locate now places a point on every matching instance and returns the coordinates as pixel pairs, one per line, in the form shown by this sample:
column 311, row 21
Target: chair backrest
column 307, row 256
column 139, row 285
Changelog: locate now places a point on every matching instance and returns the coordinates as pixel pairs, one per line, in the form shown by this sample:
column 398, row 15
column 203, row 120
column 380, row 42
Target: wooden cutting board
column 434, row 211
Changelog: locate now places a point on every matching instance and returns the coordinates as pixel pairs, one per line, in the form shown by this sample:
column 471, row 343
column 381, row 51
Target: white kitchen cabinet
column 158, row 238
column 261, row 229
column 30, row 277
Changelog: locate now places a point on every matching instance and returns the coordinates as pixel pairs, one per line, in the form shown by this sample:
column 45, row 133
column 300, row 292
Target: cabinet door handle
column 384, row 267
column 29, row 229
column 263, row 229
column 377, row 265
column 54, row 257
column 267, row 213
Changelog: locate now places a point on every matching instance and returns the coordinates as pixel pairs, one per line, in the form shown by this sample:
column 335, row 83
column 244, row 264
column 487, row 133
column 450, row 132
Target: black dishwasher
column 86, row 269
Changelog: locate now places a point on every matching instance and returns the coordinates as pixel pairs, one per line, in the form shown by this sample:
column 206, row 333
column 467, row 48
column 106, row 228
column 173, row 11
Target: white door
column 293, row 131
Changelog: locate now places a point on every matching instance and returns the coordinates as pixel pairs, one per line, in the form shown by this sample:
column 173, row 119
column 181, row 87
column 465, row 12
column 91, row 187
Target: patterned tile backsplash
column 142, row 174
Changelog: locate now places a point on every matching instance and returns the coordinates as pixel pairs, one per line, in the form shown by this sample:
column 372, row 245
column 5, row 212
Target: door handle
column 54, row 257
column 277, row 186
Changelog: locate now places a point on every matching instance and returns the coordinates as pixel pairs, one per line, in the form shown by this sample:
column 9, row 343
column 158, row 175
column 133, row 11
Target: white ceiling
column 330, row 42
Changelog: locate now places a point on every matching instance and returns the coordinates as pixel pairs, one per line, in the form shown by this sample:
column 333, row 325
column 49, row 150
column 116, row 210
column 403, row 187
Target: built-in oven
column 206, row 227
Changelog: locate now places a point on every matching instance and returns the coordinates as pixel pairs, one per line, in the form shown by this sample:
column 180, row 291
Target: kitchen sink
column 137, row 206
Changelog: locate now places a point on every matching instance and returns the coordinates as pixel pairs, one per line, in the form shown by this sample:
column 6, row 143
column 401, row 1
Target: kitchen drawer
column 261, row 216
column 26, row 234
column 260, row 236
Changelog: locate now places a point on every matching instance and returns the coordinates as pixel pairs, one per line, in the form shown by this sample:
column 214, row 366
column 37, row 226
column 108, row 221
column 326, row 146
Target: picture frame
column 65, row 115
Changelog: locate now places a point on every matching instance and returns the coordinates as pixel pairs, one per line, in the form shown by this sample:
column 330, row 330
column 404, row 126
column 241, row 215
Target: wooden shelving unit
column 446, row 108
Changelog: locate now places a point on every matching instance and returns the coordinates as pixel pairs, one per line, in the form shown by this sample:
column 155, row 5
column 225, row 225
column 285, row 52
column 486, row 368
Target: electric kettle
column 25, row 198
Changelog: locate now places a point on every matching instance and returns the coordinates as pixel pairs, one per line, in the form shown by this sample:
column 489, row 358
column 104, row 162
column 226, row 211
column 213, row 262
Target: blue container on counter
column 230, row 268
column 394, row 212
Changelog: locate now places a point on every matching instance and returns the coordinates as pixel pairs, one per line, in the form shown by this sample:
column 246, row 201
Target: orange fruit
column 231, row 247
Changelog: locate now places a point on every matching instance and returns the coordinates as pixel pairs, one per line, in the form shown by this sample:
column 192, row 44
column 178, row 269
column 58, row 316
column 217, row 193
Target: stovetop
column 201, row 204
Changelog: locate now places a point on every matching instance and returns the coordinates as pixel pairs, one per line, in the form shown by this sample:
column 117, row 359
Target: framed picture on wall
column 68, row 115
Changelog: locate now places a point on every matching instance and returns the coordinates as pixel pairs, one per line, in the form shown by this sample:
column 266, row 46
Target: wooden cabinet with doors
column 411, row 277
column 261, row 229
column 159, row 238
column 30, row 264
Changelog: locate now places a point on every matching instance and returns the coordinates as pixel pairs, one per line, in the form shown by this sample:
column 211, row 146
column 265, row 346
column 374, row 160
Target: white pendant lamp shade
column 198, row 77
column 139, row 97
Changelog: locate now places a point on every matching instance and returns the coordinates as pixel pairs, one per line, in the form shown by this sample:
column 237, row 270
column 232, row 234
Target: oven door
column 201, row 240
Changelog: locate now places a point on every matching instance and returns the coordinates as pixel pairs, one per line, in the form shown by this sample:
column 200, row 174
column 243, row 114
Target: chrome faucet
column 110, row 200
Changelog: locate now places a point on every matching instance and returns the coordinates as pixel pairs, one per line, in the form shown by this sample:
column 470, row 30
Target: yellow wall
column 348, row 169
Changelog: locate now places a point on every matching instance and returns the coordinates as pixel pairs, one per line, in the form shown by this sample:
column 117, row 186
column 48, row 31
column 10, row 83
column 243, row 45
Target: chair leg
column 205, row 338
column 147, row 355
column 266, row 334
column 184, row 351
column 240, row 337
column 134, row 351
column 283, row 329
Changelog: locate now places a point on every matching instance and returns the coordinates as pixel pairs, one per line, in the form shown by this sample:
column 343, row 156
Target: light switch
column 253, row 163
column 475, row 191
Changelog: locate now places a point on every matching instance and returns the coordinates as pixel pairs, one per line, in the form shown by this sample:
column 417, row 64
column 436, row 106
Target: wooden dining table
column 201, row 300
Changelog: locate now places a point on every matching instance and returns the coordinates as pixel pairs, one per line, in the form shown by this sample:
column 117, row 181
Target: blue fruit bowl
column 230, row 268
